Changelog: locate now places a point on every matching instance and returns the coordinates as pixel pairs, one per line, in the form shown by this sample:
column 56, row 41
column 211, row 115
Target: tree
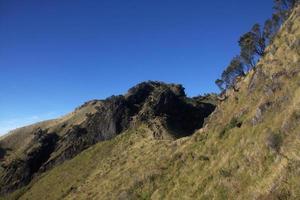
column 247, row 46
column 283, row 7
column 259, row 40
column 253, row 41
column 282, row 10
column 271, row 27
column 236, row 66
column 220, row 84
column 234, row 69
column 252, row 44
column 226, row 77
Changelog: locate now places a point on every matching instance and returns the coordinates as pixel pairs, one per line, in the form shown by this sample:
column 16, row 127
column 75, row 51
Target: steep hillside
column 28, row 152
column 248, row 149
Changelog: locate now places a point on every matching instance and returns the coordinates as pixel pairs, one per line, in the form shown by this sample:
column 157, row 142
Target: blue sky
column 55, row 55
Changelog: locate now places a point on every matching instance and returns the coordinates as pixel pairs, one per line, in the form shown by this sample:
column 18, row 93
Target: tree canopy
column 253, row 44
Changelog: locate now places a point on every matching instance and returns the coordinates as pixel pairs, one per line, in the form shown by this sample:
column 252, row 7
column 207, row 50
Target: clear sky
column 55, row 55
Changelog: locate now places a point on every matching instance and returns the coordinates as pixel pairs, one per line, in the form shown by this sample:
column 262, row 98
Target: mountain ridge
column 247, row 148
column 164, row 107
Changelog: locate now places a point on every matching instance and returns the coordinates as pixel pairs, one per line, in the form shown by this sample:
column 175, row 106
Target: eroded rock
column 174, row 114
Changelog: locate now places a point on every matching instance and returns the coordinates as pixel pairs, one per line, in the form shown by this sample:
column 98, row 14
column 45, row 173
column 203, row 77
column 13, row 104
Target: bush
column 225, row 173
column 234, row 122
column 274, row 141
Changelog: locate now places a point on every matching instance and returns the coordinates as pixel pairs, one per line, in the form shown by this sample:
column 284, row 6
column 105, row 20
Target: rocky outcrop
column 174, row 113
column 19, row 172
column 167, row 103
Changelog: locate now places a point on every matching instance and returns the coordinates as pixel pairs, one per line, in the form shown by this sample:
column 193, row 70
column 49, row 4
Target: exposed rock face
column 169, row 103
column 20, row 171
column 258, row 118
column 146, row 102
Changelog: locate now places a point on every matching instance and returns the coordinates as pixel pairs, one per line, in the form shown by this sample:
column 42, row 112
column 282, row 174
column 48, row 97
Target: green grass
column 230, row 159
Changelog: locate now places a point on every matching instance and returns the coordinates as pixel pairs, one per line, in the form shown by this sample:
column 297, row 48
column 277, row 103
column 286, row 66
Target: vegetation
column 230, row 158
column 253, row 43
column 234, row 122
column 274, row 141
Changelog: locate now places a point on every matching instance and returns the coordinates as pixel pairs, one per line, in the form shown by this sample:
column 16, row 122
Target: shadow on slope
column 164, row 107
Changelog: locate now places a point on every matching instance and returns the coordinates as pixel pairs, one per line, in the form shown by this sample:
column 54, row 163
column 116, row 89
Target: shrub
column 225, row 173
column 234, row 122
column 274, row 141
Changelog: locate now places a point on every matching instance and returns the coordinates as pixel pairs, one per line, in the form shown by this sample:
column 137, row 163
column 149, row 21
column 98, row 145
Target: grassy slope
column 117, row 159
column 222, row 161
column 19, row 140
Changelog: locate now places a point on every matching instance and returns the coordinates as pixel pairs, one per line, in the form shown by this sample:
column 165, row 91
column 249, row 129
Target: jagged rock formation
column 164, row 107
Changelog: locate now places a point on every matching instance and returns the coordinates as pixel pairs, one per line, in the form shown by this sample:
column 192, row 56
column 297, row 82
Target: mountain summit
column 32, row 150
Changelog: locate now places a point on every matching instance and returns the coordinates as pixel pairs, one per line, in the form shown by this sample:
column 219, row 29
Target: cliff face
column 164, row 107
